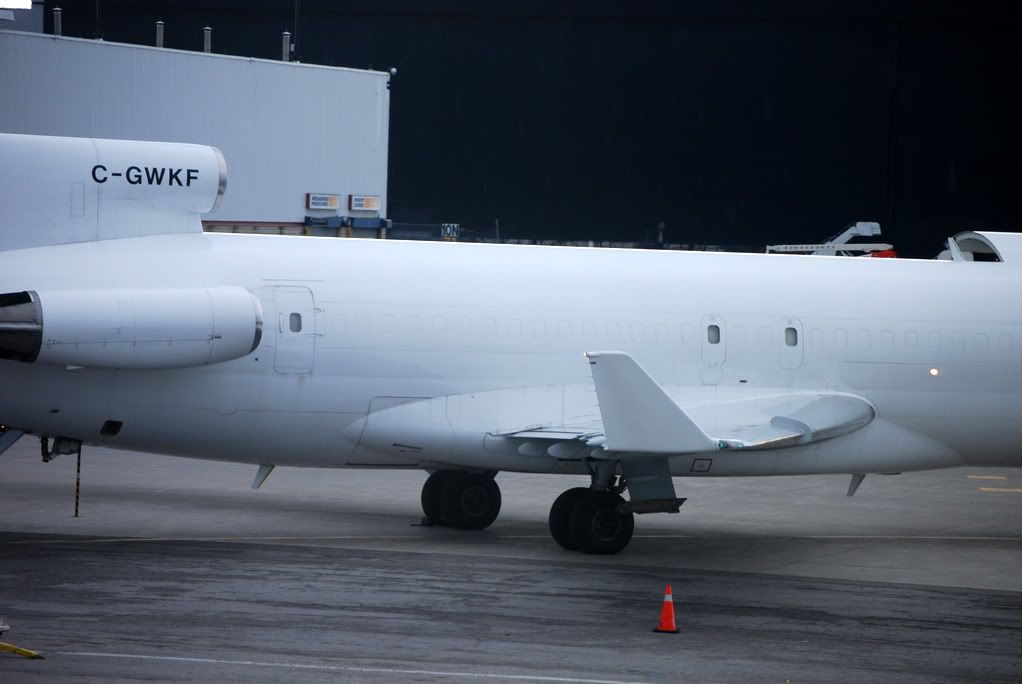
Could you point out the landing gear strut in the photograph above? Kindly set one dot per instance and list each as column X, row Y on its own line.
column 467, row 501
column 590, row 520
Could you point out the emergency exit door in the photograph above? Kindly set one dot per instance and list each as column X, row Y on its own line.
column 714, row 350
column 296, row 330
column 792, row 351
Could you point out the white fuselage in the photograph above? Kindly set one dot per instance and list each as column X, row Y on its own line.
column 933, row 345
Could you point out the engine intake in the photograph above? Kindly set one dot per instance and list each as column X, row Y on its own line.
column 130, row 329
column 21, row 326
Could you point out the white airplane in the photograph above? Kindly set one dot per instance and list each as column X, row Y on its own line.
column 122, row 324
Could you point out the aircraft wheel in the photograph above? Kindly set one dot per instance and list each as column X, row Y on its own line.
column 597, row 527
column 432, row 496
column 560, row 517
column 471, row 500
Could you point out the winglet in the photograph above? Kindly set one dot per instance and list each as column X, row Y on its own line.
column 637, row 414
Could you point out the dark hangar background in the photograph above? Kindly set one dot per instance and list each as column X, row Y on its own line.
column 733, row 123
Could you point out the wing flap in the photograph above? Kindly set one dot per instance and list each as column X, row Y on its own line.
column 786, row 420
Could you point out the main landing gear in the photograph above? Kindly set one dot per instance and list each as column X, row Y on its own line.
column 464, row 500
column 589, row 520
column 593, row 519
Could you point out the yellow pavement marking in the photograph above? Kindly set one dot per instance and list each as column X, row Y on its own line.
column 1006, row 490
column 17, row 650
column 987, row 477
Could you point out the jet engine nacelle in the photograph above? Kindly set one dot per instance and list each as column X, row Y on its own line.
column 130, row 329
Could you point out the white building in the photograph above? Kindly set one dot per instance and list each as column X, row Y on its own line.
column 306, row 146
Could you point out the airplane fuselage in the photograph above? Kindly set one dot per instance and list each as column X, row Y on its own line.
column 499, row 333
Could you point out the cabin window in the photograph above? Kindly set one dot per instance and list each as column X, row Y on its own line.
column 911, row 340
column 361, row 325
column 412, row 326
column 713, row 334
column 791, row 337
column 295, row 322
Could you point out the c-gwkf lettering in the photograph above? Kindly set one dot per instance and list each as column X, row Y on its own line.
column 150, row 175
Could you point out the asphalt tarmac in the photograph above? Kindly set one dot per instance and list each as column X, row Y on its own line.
column 176, row 571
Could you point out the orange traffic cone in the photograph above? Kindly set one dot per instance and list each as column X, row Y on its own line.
column 667, row 614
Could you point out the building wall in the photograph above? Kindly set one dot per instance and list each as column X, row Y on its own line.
column 23, row 19
column 285, row 129
column 733, row 122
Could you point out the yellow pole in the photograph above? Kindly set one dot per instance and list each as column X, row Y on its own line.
column 78, row 478
column 24, row 652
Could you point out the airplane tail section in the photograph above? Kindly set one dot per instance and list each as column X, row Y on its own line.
column 57, row 191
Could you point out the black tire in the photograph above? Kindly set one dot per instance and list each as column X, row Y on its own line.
column 432, row 496
column 597, row 527
column 560, row 517
column 471, row 501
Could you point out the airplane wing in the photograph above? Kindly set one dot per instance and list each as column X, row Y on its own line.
column 633, row 426
column 638, row 417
